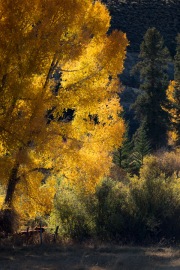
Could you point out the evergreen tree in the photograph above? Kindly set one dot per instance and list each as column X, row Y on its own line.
column 152, row 67
column 177, row 87
column 177, row 60
column 173, row 98
column 142, row 147
column 123, row 153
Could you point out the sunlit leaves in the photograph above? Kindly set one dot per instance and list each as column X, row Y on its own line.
column 56, row 56
column 173, row 109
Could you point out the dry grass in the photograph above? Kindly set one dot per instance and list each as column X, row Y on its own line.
column 88, row 257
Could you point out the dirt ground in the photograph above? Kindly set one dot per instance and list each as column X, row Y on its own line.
column 79, row 257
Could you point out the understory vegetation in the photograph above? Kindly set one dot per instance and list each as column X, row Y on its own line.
column 127, row 209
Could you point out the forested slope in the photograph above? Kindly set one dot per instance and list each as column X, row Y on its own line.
column 134, row 17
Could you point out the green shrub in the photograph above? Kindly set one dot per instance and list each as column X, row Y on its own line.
column 130, row 209
column 113, row 209
column 156, row 198
column 70, row 213
column 144, row 208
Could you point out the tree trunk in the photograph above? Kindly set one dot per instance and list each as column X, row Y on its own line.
column 8, row 216
column 13, row 180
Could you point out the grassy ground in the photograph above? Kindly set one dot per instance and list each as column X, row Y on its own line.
column 78, row 257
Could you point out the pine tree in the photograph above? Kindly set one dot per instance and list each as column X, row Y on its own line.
column 142, row 147
column 173, row 98
column 123, row 153
column 177, row 88
column 152, row 67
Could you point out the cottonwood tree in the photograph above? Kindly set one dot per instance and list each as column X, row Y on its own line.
column 56, row 57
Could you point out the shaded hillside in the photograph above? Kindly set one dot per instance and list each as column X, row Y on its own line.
column 134, row 17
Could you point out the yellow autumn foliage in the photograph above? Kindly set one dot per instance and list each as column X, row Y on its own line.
column 56, row 56
column 173, row 109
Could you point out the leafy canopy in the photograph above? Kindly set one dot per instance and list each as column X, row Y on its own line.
column 56, row 56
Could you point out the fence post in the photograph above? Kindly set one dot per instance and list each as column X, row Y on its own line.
column 27, row 235
column 56, row 233
column 41, row 241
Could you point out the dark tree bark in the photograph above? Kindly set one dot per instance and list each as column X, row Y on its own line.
column 13, row 180
column 8, row 216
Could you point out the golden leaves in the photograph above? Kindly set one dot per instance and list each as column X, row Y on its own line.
column 55, row 56
column 172, row 108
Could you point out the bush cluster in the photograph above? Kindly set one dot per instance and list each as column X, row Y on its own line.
column 144, row 208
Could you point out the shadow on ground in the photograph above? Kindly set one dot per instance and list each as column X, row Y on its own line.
column 89, row 258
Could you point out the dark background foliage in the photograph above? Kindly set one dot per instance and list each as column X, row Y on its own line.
column 134, row 17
